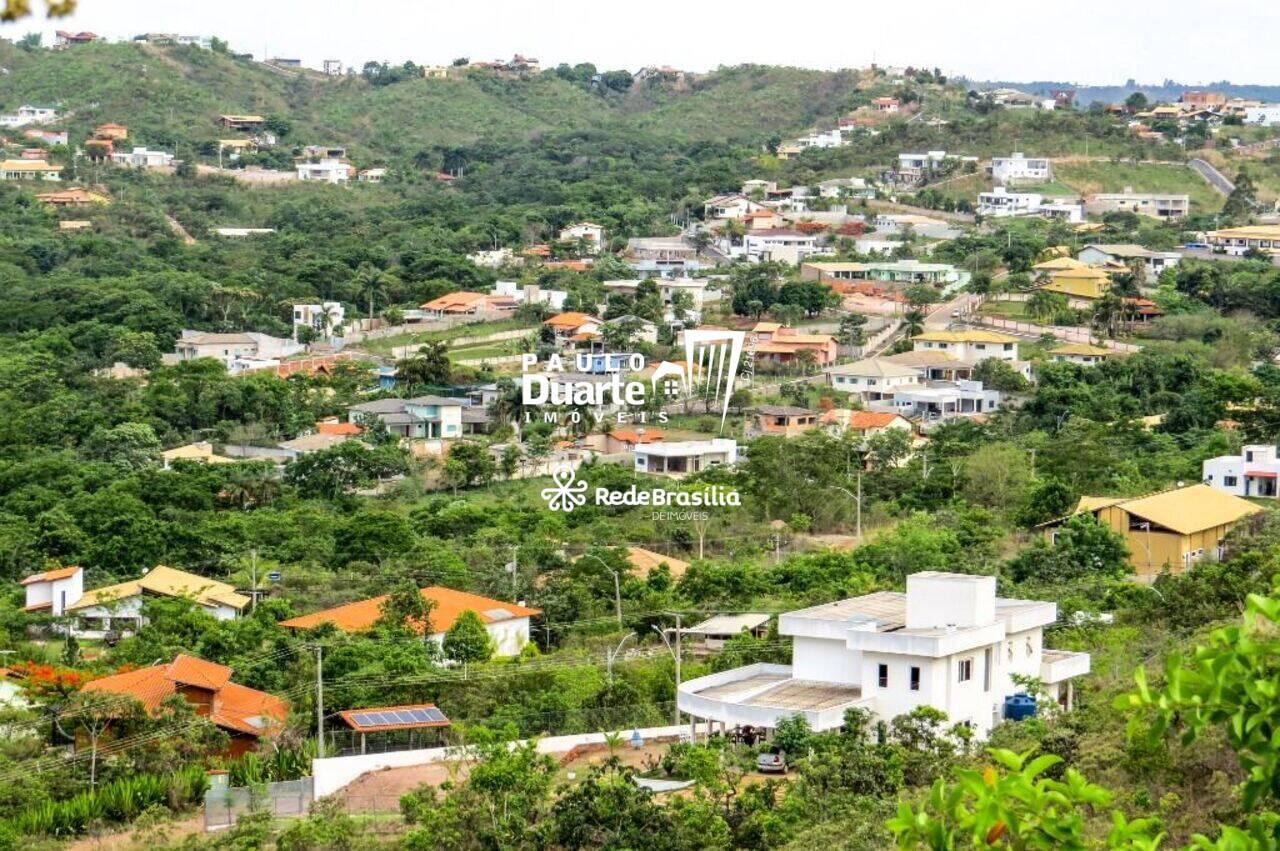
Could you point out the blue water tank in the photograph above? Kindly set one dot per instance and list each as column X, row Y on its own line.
column 1019, row 706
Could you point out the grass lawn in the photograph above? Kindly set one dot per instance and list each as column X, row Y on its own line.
column 1006, row 309
column 1089, row 177
column 488, row 350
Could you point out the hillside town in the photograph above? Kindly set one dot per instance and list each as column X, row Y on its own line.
column 506, row 454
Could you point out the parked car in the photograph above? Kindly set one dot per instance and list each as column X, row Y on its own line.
column 772, row 761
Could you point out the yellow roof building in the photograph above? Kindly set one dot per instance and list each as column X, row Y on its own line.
column 969, row 335
column 1169, row 530
column 166, row 582
column 1085, row 283
column 1058, row 264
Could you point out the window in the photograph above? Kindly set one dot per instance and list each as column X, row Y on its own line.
column 965, row 670
column 883, row 674
column 1229, row 481
column 988, row 659
column 1248, row 456
column 915, row 678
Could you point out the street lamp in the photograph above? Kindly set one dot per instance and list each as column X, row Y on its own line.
column 675, row 655
column 617, row 584
column 857, row 499
column 610, row 655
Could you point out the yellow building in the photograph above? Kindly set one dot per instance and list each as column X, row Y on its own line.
column 1169, row 530
column 1086, row 283
column 1085, row 354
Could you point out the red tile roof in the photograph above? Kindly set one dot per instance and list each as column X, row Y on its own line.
column 631, row 435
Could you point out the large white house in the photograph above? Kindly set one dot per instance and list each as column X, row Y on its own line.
column 873, row 378
column 590, row 233
column 948, row 642
column 142, row 158
column 971, row 344
column 940, row 400
column 1251, row 473
column 782, row 245
column 1001, row 203
column 1019, row 168
column 28, row 114
column 325, row 170
column 678, row 458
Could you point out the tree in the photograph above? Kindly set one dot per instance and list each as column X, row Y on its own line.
column 997, row 374
column 852, row 331
column 996, row 474
column 1135, row 102
column 128, row 446
column 1044, row 305
column 1243, row 199
column 406, row 611
column 468, row 463
column 333, row 472
column 754, row 288
column 468, row 640
column 1083, row 548
column 429, row 367
column 372, row 283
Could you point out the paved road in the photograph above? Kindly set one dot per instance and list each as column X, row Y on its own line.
column 1212, row 176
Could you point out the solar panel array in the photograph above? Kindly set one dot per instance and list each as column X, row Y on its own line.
column 398, row 717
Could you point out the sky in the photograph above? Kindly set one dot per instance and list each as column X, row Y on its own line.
column 1090, row 42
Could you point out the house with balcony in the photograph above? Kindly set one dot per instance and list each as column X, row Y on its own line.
column 1252, row 473
column 30, row 114
column 1082, row 354
column 781, row 245
column 679, row 458
column 941, row 400
column 141, row 157
column 29, row 169
column 948, row 642
column 1157, row 205
column 1237, row 241
column 419, row 418
column 589, row 234
column 1020, row 169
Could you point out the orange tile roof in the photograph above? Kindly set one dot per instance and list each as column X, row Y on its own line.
column 572, row 319
column 51, row 575
column 571, row 265
column 310, row 366
column 449, row 604
column 235, row 707
column 859, row 420
column 338, row 428
column 459, row 301
column 631, row 435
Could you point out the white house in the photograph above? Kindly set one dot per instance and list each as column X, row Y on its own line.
column 325, row 170
column 239, row 352
column 779, row 244
column 1020, row 168
column 1251, row 473
column 142, row 158
column 420, row 418
column 589, row 232
column 972, row 344
column 325, row 318
column 54, row 590
column 945, row 399
column 949, row 642
column 531, row 294
column 913, row 167
column 846, row 187
column 119, row 608
column 1126, row 254
column 28, row 114
column 1268, row 115
column 29, row 170
column 1001, row 203
column 872, row 379
column 680, row 457
column 734, row 206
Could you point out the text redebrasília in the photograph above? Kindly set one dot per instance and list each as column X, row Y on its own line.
column 711, row 497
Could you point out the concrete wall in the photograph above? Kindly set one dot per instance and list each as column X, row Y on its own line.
column 825, row 660
column 334, row 773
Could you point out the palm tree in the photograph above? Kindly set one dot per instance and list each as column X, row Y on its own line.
column 371, row 283
column 1045, row 305
column 509, row 406
column 913, row 320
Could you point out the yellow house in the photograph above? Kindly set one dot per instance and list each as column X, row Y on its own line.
column 1087, row 283
column 1168, row 530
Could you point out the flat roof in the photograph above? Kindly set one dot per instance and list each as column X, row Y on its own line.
column 729, row 624
column 802, row 695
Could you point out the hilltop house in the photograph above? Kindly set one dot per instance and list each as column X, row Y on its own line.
column 239, row 352
column 200, row 452
column 949, row 642
column 667, row 256
column 969, row 344
column 142, row 158
column 1155, row 262
column 245, row 714
column 681, row 457
column 242, row 122
column 945, row 399
column 1252, row 473
column 782, row 245
column 506, row 623
column 1001, row 203
column 423, row 417
column 1157, row 205
column 733, row 206
column 48, row 137
column 465, row 303
column 29, row 170
column 1083, row 354
column 1236, row 241
column 573, row 327
column 29, row 114
column 117, row 608
column 780, row 421
column 1020, row 169
column 872, row 379
column 589, row 233
column 529, row 294
column 331, row 170
column 1169, row 530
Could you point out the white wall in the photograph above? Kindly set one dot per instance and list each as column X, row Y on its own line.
column 509, row 636
column 825, row 660
column 334, row 773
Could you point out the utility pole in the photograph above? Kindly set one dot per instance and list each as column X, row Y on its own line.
column 319, row 701
column 677, row 708
column 515, row 572
column 253, row 574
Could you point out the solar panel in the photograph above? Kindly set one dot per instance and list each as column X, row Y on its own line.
column 408, row 717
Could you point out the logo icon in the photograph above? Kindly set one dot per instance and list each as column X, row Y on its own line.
column 568, row 493
column 711, row 365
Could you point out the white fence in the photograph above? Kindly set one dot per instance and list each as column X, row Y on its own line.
column 334, row 773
